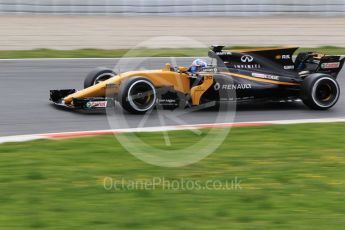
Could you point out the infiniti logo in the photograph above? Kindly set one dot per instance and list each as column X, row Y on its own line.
column 247, row 58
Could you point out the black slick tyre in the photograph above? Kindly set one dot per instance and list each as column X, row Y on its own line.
column 137, row 95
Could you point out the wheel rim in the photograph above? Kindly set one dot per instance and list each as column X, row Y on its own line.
column 102, row 77
column 142, row 95
column 325, row 92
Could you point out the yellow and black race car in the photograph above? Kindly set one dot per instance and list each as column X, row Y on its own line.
column 269, row 74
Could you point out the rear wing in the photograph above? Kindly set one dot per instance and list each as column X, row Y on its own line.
column 320, row 63
column 331, row 65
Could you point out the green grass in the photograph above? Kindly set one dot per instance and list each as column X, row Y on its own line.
column 292, row 177
column 98, row 53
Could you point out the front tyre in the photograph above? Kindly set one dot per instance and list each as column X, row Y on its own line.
column 320, row 91
column 137, row 95
column 98, row 75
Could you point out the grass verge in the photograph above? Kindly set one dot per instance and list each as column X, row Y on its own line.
column 292, row 177
column 98, row 53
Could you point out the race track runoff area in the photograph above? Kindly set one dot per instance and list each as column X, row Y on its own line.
column 269, row 177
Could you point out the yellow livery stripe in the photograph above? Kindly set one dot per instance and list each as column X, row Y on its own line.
column 260, row 80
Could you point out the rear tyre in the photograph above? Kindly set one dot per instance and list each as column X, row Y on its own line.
column 320, row 91
column 137, row 95
column 98, row 75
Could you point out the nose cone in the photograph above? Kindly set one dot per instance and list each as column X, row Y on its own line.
column 93, row 91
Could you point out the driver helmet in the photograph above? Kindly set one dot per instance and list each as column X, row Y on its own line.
column 198, row 65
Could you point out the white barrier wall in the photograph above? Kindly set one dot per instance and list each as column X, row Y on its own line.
column 175, row 7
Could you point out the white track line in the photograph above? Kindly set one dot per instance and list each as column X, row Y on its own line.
column 306, row 121
column 23, row 138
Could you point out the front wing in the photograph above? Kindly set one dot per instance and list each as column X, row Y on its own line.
column 94, row 104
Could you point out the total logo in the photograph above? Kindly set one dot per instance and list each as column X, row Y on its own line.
column 218, row 86
column 247, row 58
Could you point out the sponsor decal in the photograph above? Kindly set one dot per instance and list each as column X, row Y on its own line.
column 265, row 76
column 166, row 101
column 224, row 53
column 211, row 70
column 330, row 65
column 97, row 104
column 288, row 67
column 216, row 86
column 283, row 57
column 236, row 87
column 247, row 58
column 286, row 57
column 253, row 66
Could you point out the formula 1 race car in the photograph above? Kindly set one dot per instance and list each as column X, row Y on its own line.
column 266, row 74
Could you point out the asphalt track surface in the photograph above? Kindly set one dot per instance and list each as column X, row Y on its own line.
column 25, row 109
